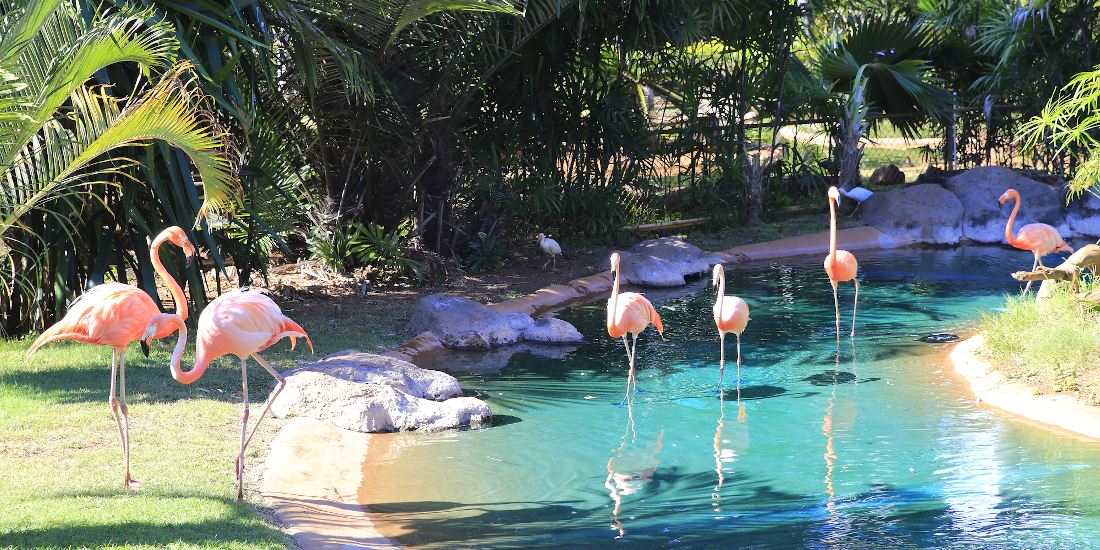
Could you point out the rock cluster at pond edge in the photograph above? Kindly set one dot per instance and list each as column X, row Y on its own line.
column 365, row 392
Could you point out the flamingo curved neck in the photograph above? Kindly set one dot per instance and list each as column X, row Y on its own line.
column 612, row 307
column 171, row 319
column 832, row 228
column 721, row 291
column 177, row 291
column 1012, row 218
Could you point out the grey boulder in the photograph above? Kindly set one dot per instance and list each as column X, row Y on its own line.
column 1083, row 215
column 550, row 329
column 463, row 324
column 926, row 213
column 366, row 407
column 688, row 257
column 979, row 189
column 403, row 376
column 646, row 270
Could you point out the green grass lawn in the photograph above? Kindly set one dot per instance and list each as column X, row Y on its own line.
column 62, row 460
column 1051, row 344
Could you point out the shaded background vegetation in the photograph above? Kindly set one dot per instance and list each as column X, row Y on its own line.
column 406, row 135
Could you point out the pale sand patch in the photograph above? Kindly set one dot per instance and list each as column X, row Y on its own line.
column 1059, row 412
column 313, row 475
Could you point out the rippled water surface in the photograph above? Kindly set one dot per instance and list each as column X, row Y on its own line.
column 875, row 446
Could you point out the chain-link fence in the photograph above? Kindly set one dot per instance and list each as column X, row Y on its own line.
column 974, row 137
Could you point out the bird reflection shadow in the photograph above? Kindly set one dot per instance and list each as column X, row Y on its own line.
column 730, row 442
column 631, row 467
column 839, row 420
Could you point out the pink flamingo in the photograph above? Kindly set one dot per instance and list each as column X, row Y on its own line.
column 241, row 322
column 629, row 312
column 114, row 314
column 840, row 265
column 731, row 314
column 1040, row 238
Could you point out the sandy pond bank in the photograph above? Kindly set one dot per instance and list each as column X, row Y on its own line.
column 315, row 471
column 1053, row 411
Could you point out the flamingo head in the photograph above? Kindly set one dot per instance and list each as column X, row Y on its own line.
column 147, row 338
column 179, row 238
column 834, row 194
column 719, row 271
column 615, row 261
column 1010, row 194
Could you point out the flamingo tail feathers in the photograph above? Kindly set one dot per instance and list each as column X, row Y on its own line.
column 52, row 334
column 291, row 330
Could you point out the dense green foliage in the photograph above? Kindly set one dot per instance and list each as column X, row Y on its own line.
column 432, row 123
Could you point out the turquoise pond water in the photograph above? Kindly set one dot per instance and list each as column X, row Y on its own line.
column 875, row 446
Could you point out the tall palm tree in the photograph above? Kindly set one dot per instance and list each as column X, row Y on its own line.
column 58, row 132
column 879, row 64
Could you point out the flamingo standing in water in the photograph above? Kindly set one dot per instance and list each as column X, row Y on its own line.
column 840, row 265
column 241, row 322
column 1040, row 238
column 731, row 314
column 114, row 314
column 629, row 312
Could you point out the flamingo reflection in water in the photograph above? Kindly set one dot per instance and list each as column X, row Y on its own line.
column 730, row 442
column 631, row 467
column 839, row 421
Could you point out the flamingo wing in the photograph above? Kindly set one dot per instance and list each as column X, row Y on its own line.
column 732, row 315
column 842, row 266
column 633, row 314
column 1039, row 238
column 244, row 322
column 111, row 314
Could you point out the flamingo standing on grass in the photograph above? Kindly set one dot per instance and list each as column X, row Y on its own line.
column 629, row 312
column 551, row 247
column 731, row 314
column 114, row 314
column 241, row 322
column 1040, row 238
column 840, row 265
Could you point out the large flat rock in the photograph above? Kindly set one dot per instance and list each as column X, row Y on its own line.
column 926, row 213
column 979, row 189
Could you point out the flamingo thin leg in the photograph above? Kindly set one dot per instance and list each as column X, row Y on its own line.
column 738, row 360
column 836, row 304
column 238, row 466
column 721, row 361
column 633, row 354
column 630, row 359
column 270, row 399
column 854, row 305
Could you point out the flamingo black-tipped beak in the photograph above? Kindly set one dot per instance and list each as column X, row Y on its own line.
column 145, row 347
column 187, row 260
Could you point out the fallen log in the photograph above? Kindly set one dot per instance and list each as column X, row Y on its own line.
column 1087, row 257
column 676, row 224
